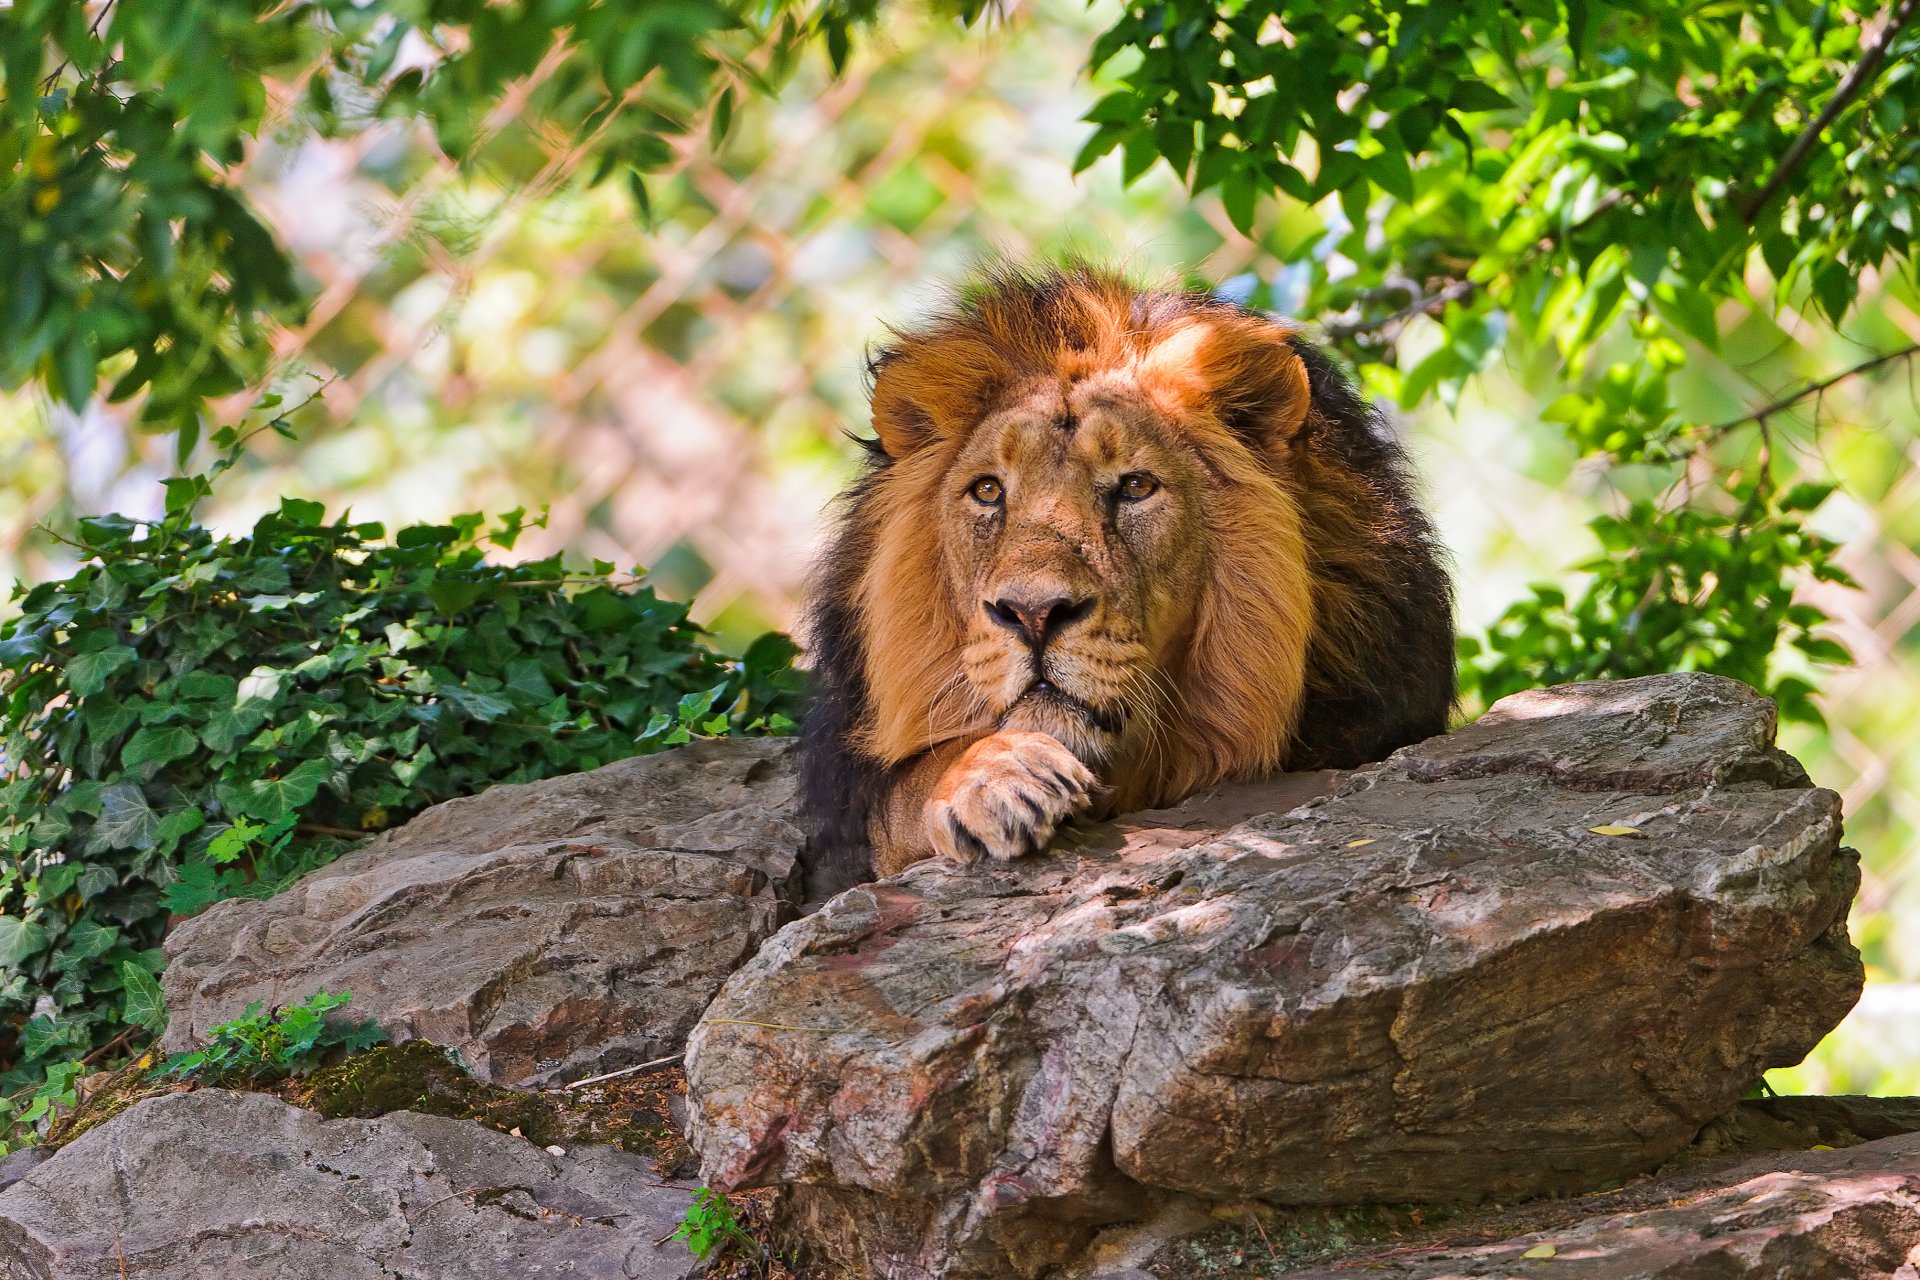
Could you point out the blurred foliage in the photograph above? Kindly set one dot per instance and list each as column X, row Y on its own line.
column 130, row 254
column 191, row 717
column 1590, row 180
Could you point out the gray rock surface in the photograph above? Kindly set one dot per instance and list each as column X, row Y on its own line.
column 546, row 930
column 1439, row 982
column 1816, row 1215
column 21, row 1163
column 242, row 1186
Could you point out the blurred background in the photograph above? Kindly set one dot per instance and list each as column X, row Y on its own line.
column 679, row 398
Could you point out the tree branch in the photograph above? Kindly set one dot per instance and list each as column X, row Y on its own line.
column 1857, row 79
column 1385, row 329
column 1760, row 415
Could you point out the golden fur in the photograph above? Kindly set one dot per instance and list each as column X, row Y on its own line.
column 1179, row 546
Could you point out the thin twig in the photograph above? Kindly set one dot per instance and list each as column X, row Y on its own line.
column 110, row 1046
column 1254, row 1218
column 628, row 1071
column 1781, row 405
column 1452, row 291
column 1857, row 79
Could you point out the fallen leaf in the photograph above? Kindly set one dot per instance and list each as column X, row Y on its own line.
column 1355, row 844
column 1615, row 831
column 1819, row 1146
column 1542, row 1250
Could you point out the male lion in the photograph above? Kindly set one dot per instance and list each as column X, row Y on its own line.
column 1111, row 546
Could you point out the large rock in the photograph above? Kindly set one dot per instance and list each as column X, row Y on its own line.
column 1815, row 1215
column 244, row 1187
column 1527, row 958
column 545, row 930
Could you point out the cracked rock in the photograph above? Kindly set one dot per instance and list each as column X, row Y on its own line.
column 244, row 1187
column 1527, row 958
column 1812, row 1215
column 546, row 930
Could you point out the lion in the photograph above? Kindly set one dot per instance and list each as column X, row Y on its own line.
column 1111, row 546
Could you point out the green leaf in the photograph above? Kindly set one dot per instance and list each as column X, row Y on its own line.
column 1807, row 495
column 146, row 1005
column 20, row 940
column 1237, row 194
column 126, row 820
column 1477, row 95
column 364, row 1036
column 87, row 939
column 158, row 746
column 54, row 881
column 274, row 798
column 88, row 673
column 198, row 887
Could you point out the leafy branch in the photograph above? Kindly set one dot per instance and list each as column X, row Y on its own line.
column 1863, row 74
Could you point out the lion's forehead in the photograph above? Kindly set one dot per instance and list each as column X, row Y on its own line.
column 1059, row 436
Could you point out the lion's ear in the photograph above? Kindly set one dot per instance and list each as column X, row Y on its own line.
column 1241, row 371
column 928, row 389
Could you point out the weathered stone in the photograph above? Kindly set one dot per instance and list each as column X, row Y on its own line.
column 1815, row 1215
column 244, row 1187
column 1759, row 1136
column 1439, row 982
column 21, row 1163
column 545, row 930
column 1799, row 1121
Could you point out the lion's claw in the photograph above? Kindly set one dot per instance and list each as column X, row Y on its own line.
column 1007, row 796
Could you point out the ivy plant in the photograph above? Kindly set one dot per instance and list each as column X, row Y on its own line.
column 192, row 716
column 260, row 1046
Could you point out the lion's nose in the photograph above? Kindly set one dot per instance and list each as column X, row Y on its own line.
column 1036, row 620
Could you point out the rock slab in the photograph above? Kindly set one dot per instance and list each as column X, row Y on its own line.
column 1818, row 1215
column 244, row 1187
column 1526, row 958
column 545, row 930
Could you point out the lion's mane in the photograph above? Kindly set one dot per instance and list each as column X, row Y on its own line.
column 1380, row 663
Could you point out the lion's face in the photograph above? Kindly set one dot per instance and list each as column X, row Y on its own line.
column 1075, row 546
column 1086, row 527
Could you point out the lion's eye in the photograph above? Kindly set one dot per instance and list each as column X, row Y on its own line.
column 1137, row 485
column 986, row 490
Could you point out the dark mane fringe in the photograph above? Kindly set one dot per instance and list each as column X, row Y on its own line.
column 839, row 787
column 1391, row 681
column 1380, row 668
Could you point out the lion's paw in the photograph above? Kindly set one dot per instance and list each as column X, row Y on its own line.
column 1006, row 796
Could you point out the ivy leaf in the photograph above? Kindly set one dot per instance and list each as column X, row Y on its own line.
column 361, row 1037
column 146, row 1005
column 126, row 820
column 197, row 887
column 87, row 939
column 177, row 826
column 54, row 881
column 479, row 706
column 271, row 799
column 20, row 940
column 156, row 746
column 88, row 673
